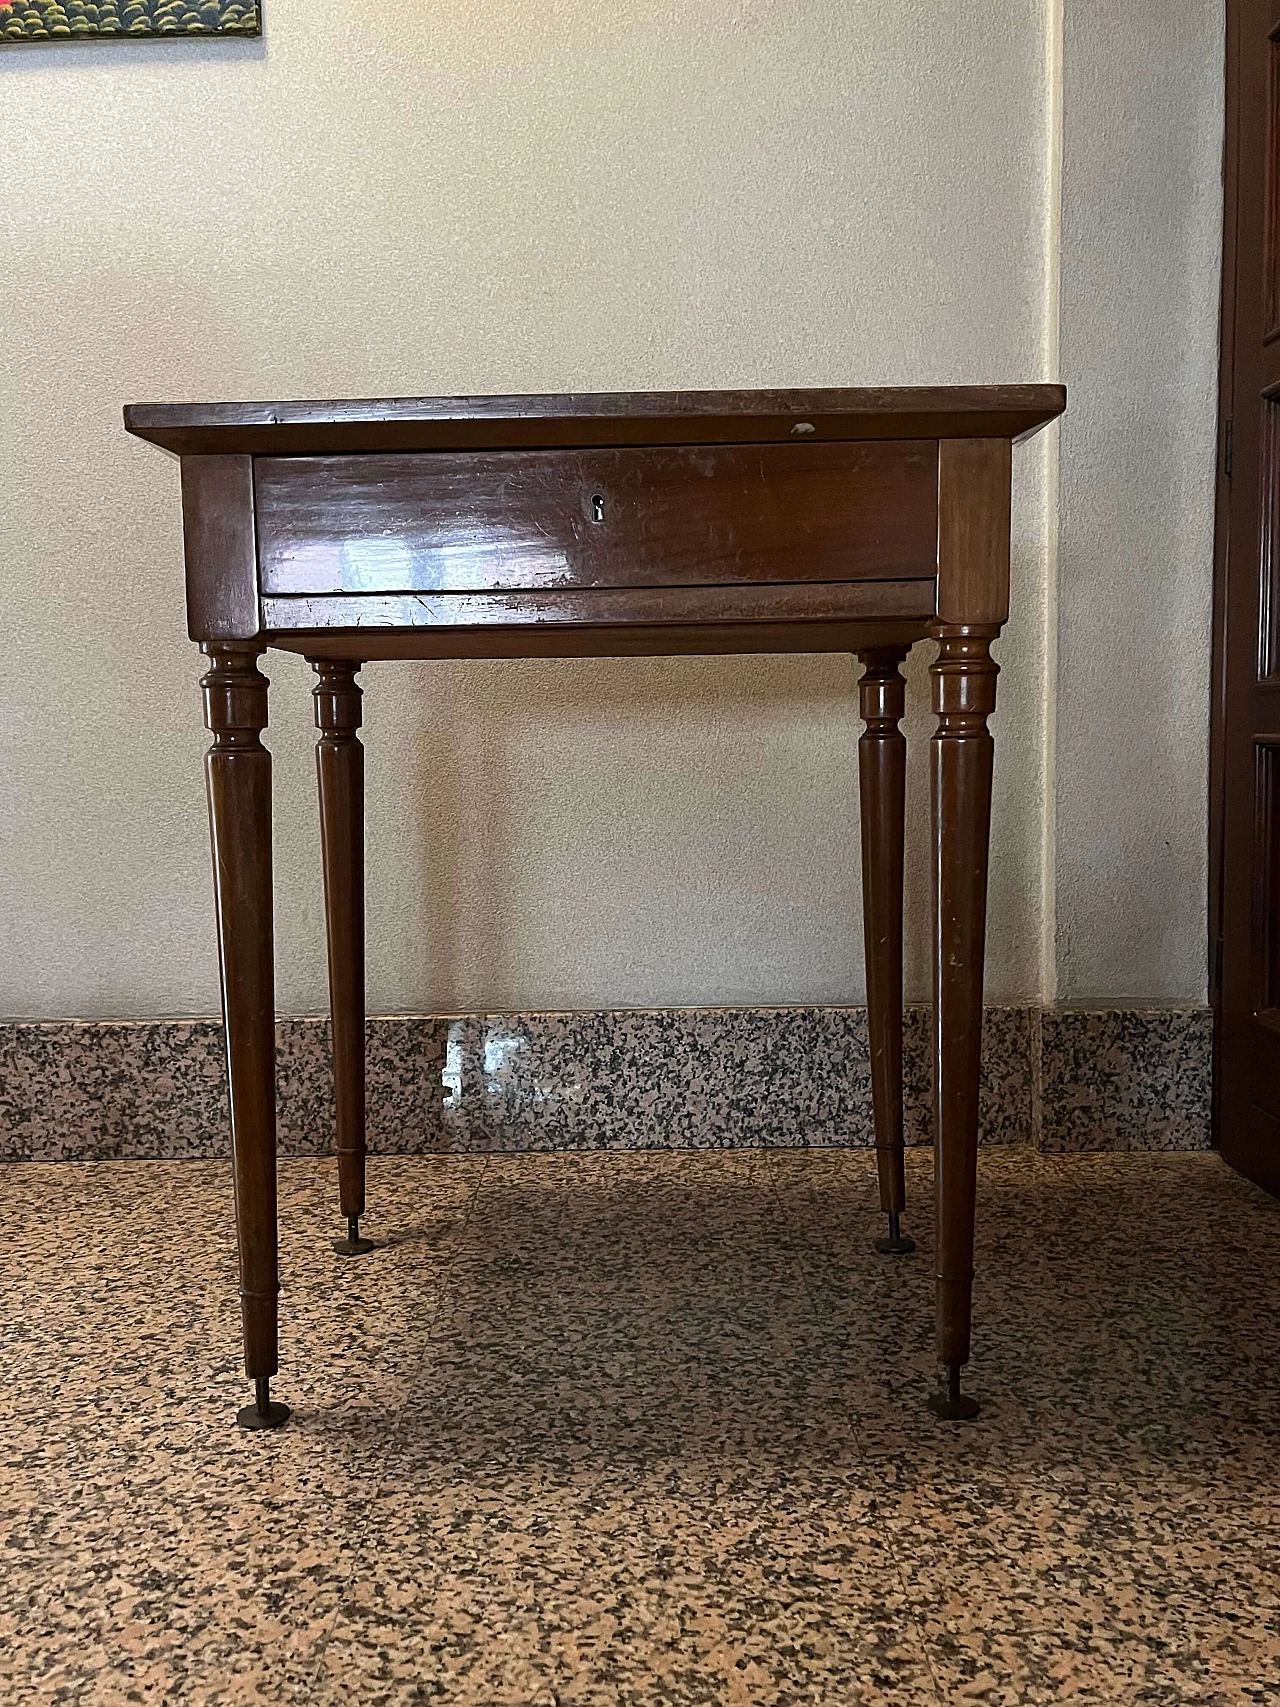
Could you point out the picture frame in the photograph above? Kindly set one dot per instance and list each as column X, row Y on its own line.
column 54, row 22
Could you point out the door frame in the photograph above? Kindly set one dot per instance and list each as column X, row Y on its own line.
column 1222, row 534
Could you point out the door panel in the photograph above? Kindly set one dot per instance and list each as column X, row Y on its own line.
column 1271, row 209
column 1246, row 748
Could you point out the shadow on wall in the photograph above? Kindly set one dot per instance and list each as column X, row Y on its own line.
column 672, row 801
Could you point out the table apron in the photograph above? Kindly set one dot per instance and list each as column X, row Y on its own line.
column 813, row 601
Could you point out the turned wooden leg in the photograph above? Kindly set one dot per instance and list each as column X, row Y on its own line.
column 340, row 770
column 964, row 695
column 882, row 774
column 238, row 773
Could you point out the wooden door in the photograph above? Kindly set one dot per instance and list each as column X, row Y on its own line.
column 1245, row 781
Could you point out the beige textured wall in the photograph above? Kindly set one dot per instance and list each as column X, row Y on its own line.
column 414, row 199
column 1140, row 260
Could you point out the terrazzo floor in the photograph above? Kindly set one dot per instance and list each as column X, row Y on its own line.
column 642, row 1428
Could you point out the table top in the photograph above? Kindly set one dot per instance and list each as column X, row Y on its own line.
column 596, row 418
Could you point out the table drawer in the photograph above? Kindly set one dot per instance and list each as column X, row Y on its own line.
column 510, row 521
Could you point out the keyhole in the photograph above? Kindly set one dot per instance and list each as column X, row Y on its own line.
column 597, row 507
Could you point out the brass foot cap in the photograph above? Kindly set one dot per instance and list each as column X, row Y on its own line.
column 962, row 1408
column 274, row 1416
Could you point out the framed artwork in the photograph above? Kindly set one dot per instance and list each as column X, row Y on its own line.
column 23, row 21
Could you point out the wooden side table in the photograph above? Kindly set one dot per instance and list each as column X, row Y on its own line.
column 515, row 527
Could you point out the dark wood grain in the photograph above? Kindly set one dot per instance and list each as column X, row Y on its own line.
column 964, row 695
column 238, row 773
column 606, row 418
column 340, row 774
column 806, row 602
column 1245, row 747
column 882, row 775
column 974, row 483
column 974, row 486
column 627, row 640
column 509, row 520
column 220, row 545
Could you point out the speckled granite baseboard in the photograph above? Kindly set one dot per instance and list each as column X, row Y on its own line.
column 1124, row 1078
column 669, row 1078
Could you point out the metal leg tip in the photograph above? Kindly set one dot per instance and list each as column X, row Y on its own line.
column 353, row 1245
column 264, row 1412
column 953, row 1405
column 898, row 1243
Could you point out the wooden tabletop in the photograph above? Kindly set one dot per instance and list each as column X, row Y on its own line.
column 596, row 418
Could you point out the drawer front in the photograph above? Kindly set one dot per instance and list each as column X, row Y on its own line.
column 511, row 521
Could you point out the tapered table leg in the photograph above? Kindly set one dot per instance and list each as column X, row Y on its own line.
column 340, row 772
column 882, row 775
column 238, row 774
column 964, row 695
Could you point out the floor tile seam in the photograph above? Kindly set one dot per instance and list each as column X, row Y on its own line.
column 806, row 1248
column 333, row 1693
column 782, row 1221
column 413, row 1367
column 1037, row 1613
column 322, row 1690
column 911, row 1604
column 803, row 1238
column 258, row 1577
column 866, row 1461
column 439, row 1270
column 413, row 1372
column 798, row 1243
column 13, row 1369
column 330, row 1690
